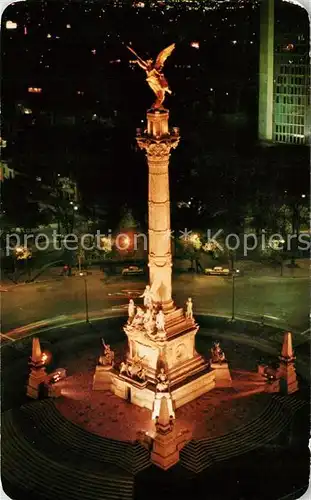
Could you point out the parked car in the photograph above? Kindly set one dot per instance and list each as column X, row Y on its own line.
column 58, row 375
column 222, row 271
column 217, row 271
column 132, row 271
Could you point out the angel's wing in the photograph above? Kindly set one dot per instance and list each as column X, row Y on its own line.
column 163, row 56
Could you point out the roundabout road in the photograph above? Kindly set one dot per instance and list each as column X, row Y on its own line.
column 283, row 301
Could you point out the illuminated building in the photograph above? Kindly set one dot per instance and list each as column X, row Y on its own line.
column 291, row 97
column 284, row 102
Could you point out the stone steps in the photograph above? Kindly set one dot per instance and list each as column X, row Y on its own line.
column 48, row 479
column 188, row 368
column 42, row 418
column 206, row 451
column 198, row 455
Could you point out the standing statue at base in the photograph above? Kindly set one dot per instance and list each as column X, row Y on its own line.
column 155, row 78
column 131, row 310
column 147, row 295
column 149, row 322
column 218, row 355
column 139, row 317
column 160, row 321
column 189, row 308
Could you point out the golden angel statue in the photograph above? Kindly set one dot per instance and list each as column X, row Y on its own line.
column 155, row 78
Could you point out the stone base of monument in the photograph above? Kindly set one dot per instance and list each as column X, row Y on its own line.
column 141, row 394
column 157, row 403
column 192, row 388
column 36, row 381
column 166, row 448
column 102, row 378
column 272, row 387
column 222, row 375
column 144, row 394
column 54, row 391
column 288, row 378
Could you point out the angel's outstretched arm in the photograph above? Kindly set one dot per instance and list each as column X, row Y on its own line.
column 141, row 64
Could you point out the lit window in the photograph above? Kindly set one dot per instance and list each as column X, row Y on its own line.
column 34, row 90
column 10, row 25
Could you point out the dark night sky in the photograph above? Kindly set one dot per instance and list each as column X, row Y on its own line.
column 214, row 101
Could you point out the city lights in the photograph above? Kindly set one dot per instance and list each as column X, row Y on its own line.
column 195, row 45
column 34, row 90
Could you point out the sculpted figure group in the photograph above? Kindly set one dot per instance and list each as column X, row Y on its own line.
column 150, row 318
column 135, row 369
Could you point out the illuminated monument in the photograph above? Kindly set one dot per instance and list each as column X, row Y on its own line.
column 162, row 360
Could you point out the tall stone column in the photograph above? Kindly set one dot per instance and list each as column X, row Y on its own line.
column 158, row 141
column 266, row 70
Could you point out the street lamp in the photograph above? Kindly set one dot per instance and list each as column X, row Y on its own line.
column 233, row 297
column 85, row 298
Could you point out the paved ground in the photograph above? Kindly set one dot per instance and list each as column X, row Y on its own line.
column 77, row 348
column 213, row 414
column 283, row 301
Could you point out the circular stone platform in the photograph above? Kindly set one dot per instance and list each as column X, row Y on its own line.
column 85, row 436
column 215, row 413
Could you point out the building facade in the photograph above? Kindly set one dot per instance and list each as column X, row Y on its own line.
column 284, row 75
column 291, row 96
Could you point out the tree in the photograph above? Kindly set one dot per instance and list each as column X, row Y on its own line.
column 189, row 247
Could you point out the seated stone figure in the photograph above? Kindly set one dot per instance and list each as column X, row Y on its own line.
column 123, row 368
column 162, row 384
column 218, row 356
column 108, row 357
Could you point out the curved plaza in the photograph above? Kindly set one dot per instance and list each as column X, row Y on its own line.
column 85, row 443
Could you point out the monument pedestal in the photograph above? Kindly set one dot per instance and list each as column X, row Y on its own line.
column 166, row 443
column 188, row 373
column 157, row 404
column 222, row 375
column 166, row 448
column 54, row 391
column 286, row 372
column 287, row 377
column 102, row 378
column 272, row 387
column 36, row 382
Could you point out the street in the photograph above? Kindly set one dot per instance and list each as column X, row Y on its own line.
column 282, row 301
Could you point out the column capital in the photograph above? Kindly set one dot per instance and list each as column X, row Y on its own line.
column 158, row 149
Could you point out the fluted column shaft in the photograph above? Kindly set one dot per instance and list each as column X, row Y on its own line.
column 158, row 141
